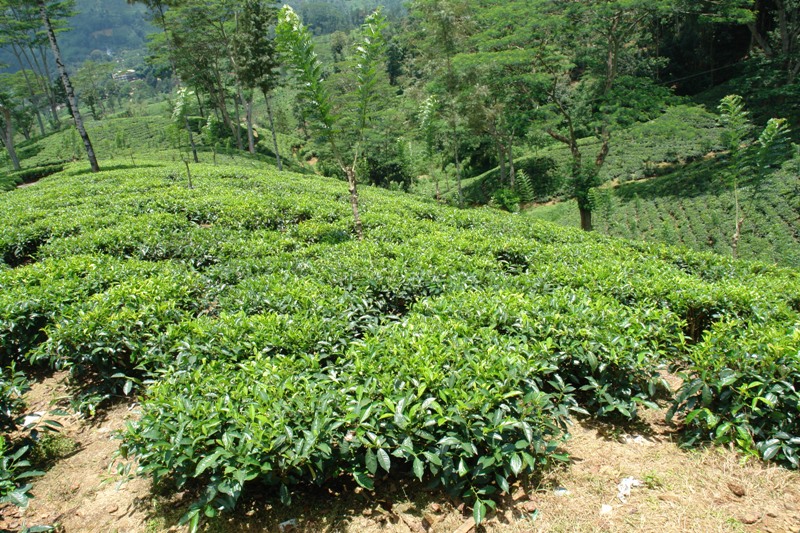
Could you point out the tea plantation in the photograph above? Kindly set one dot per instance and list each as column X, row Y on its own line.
column 270, row 347
column 693, row 205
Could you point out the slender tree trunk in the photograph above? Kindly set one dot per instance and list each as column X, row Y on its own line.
column 251, row 143
column 762, row 42
column 353, row 186
column 45, row 69
column 501, row 152
column 188, row 173
column 737, row 233
column 191, row 142
column 40, row 80
column 8, row 136
column 586, row 218
column 30, row 90
column 512, row 170
column 222, row 104
column 40, row 121
column 274, row 135
column 68, row 87
column 238, row 115
column 458, row 164
column 199, row 104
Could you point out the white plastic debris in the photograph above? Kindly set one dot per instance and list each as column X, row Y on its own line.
column 606, row 509
column 289, row 525
column 561, row 491
column 32, row 419
column 636, row 439
column 625, row 486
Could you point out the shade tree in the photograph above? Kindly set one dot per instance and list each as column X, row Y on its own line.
column 343, row 130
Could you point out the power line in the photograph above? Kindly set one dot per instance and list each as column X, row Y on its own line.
column 698, row 74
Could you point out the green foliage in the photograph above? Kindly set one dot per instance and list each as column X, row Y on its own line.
column 741, row 388
column 115, row 339
column 15, row 471
column 274, row 348
column 692, row 199
column 15, row 468
column 13, row 384
column 524, row 187
column 295, row 43
column 305, row 422
column 256, row 56
column 507, row 199
column 31, row 175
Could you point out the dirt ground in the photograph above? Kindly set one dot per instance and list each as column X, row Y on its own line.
column 674, row 490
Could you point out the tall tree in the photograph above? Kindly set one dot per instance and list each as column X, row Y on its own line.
column 158, row 9
column 774, row 26
column 593, row 52
column 20, row 32
column 256, row 55
column 73, row 103
column 749, row 161
column 442, row 28
column 7, row 128
column 92, row 80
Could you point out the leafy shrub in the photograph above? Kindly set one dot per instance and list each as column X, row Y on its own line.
column 35, row 174
column 437, row 410
column 249, row 292
column 742, row 386
column 32, row 297
column 118, row 337
column 507, row 199
column 13, row 385
column 608, row 352
column 15, row 470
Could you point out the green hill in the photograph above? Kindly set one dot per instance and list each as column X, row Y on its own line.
column 692, row 206
column 271, row 347
column 683, row 133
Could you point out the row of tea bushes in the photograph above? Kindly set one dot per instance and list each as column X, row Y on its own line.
column 260, row 332
column 425, row 400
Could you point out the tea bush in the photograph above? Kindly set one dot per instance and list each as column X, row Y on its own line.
column 438, row 408
column 742, row 386
column 692, row 206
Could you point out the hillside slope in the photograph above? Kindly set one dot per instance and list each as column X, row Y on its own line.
column 273, row 349
column 692, row 206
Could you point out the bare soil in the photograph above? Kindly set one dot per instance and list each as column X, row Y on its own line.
column 703, row 490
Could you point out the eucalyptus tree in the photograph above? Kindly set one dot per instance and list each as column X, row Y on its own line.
column 441, row 29
column 343, row 131
column 20, row 32
column 7, row 128
column 256, row 55
column 159, row 8
column 73, row 103
column 204, row 30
